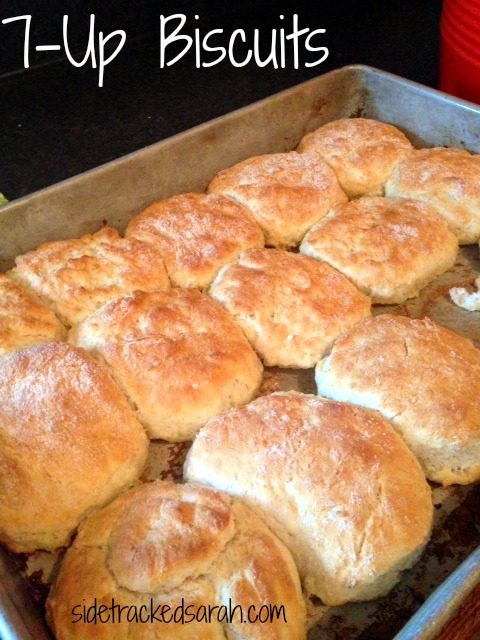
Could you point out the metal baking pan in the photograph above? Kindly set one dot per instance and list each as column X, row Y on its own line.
column 114, row 192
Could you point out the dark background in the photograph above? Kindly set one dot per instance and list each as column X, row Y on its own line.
column 55, row 121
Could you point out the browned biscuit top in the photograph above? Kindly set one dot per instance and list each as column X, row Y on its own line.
column 70, row 442
column 334, row 481
column 285, row 192
column 178, row 355
column 24, row 320
column 390, row 248
column 291, row 307
column 421, row 376
column 75, row 277
column 196, row 234
column 448, row 179
column 170, row 542
column 363, row 152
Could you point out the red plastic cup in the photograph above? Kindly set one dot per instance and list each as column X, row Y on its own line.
column 460, row 49
column 461, row 28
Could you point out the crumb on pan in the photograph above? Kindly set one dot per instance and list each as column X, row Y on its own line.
column 470, row 301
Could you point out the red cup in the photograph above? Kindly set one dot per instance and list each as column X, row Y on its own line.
column 459, row 36
column 460, row 49
column 461, row 25
column 468, row 12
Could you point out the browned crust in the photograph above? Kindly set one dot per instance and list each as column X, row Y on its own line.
column 75, row 277
column 389, row 248
column 423, row 377
column 178, row 355
column 196, row 235
column 24, row 320
column 285, row 192
column 447, row 179
column 334, row 481
column 290, row 307
column 362, row 152
column 167, row 541
column 69, row 443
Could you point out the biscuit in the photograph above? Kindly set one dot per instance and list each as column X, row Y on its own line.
column 164, row 542
column 285, row 192
column 177, row 355
column 76, row 277
column 447, row 179
column 196, row 235
column 389, row 248
column 423, row 378
column 24, row 321
column 70, row 443
column 333, row 481
column 362, row 152
column 289, row 306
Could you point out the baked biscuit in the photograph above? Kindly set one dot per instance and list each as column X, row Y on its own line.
column 362, row 152
column 178, row 356
column 449, row 180
column 163, row 542
column 389, row 248
column 423, row 378
column 285, row 192
column 196, row 235
column 76, row 277
column 290, row 307
column 24, row 321
column 333, row 481
column 70, row 443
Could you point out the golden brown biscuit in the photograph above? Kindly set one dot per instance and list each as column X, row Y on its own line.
column 178, row 356
column 290, row 307
column 333, row 481
column 196, row 235
column 362, row 152
column 423, row 378
column 285, row 192
column 162, row 542
column 23, row 319
column 389, row 248
column 70, row 443
column 76, row 277
column 449, row 180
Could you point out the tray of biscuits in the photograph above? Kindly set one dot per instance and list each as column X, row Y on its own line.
column 239, row 377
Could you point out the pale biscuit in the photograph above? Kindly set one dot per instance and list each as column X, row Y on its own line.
column 76, row 277
column 449, row 180
column 285, row 192
column 389, row 248
column 196, row 235
column 423, row 378
column 24, row 320
column 166, row 542
column 362, row 152
column 466, row 299
column 333, row 481
column 178, row 355
column 290, row 307
column 70, row 443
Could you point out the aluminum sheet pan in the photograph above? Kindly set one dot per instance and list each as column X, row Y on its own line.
column 116, row 191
